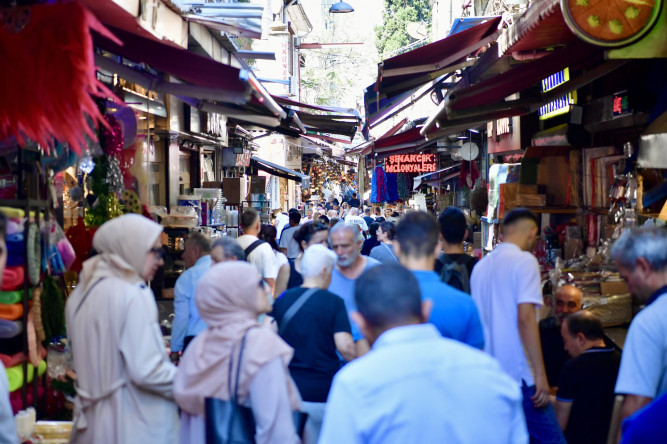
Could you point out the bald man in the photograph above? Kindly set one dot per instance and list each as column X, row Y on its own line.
column 568, row 300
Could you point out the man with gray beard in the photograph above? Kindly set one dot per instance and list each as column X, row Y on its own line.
column 345, row 241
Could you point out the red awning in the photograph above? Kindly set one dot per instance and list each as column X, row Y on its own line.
column 541, row 26
column 112, row 14
column 523, row 77
column 181, row 63
column 412, row 69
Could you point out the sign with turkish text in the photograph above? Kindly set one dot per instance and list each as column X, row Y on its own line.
column 562, row 105
column 620, row 104
column 411, row 163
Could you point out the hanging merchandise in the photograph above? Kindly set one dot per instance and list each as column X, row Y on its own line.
column 379, row 192
column 82, row 242
column 34, row 259
column 52, row 310
column 111, row 138
column 469, row 174
column 403, row 187
column 392, row 187
column 114, row 176
column 48, row 98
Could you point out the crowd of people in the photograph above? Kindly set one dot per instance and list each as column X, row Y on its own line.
column 381, row 331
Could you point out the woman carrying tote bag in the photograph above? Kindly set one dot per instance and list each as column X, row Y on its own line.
column 229, row 297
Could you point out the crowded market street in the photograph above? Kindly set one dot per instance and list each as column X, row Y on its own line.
column 301, row 222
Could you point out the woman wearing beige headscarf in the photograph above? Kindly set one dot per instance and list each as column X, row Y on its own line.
column 230, row 296
column 124, row 377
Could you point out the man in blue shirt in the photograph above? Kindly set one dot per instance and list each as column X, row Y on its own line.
column 415, row 386
column 640, row 255
column 454, row 313
column 187, row 323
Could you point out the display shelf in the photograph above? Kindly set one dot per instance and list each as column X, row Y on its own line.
column 554, row 210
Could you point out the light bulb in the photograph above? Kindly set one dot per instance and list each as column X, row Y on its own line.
column 87, row 164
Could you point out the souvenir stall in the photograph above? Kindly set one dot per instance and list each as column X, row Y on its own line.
column 52, row 114
column 328, row 176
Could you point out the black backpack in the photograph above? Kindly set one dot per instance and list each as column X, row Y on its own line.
column 456, row 274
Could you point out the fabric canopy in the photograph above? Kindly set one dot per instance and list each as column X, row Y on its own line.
column 414, row 68
column 280, row 171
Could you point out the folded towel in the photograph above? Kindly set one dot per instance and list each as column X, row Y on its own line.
column 12, row 278
column 17, row 358
column 9, row 329
column 13, row 297
column 15, row 375
column 11, row 312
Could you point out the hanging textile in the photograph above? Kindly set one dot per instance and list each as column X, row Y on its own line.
column 392, row 187
column 379, row 192
column 48, row 78
column 361, row 172
column 469, row 174
column 403, row 189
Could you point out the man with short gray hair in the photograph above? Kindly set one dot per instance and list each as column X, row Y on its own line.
column 187, row 322
column 227, row 249
column 345, row 242
column 640, row 254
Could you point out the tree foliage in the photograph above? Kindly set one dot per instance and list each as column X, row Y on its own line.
column 397, row 14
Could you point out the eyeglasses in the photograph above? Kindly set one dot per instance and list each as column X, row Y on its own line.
column 157, row 251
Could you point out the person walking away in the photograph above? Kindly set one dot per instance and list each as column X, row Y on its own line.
column 124, row 385
column 187, row 323
column 314, row 322
column 8, row 433
column 354, row 201
column 288, row 245
column 372, row 240
column 454, row 266
column 506, row 289
column 585, row 397
column 640, row 255
column 257, row 252
column 345, row 242
column 367, row 217
column 454, row 314
column 415, row 386
column 307, row 235
column 268, row 234
column 230, row 299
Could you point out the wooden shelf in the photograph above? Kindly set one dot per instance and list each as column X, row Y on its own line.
column 554, row 210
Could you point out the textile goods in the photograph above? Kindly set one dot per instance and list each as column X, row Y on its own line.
column 9, row 329
column 16, row 377
column 12, row 278
column 48, row 84
column 12, row 297
column 11, row 312
column 228, row 301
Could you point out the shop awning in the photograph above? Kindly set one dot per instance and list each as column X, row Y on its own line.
column 541, row 26
column 319, row 119
column 280, row 171
column 428, row 175
column 412, row 69
column 193, row 68
column 241, row 19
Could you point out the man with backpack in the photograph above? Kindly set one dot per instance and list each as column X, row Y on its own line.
column 257, row 252
column 453, row 265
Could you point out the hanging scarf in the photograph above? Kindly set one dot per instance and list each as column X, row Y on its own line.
column 48, row 78
column 392, row 187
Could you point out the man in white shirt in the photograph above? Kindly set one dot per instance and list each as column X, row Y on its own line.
column 507, row 289
column 354, row 218
column 280, row 221
column 258, row 252
column 288, row 245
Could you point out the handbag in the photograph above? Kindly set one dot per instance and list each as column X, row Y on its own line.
column 228, row 422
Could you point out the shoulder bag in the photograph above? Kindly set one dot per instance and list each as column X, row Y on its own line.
column 228, row 422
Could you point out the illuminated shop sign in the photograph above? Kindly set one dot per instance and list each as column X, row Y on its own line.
column 620, row 105
column 562, row 105
column 411, row 163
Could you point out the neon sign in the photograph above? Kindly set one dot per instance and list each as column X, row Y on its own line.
column 411, row 163
column 559, row 106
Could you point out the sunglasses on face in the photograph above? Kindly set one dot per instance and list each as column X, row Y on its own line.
column 157, row 251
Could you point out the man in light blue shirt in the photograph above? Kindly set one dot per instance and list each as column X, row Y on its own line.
column 454, row 313
column 415, row 386
column 187, row 322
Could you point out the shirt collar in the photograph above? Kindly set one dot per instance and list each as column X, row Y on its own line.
column 426, row 275
column 204, row 259
column 656, row 295
column 406, row 333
